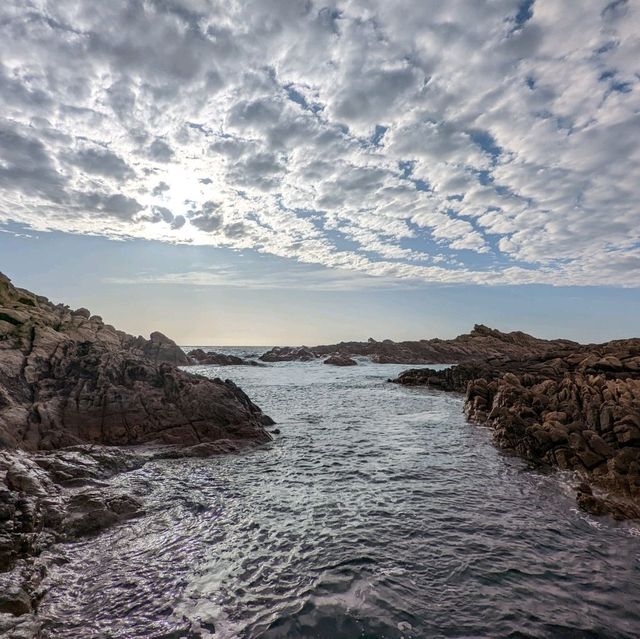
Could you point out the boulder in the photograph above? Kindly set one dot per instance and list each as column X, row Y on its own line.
column 340, row 360
column 160, row 349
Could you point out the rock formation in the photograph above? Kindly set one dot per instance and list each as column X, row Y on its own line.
column 209, row 358
column 67, row 378
column 482, row 342
column 71, row 387
column 289, row 354
column 340, row 360
column 576, row 409
column 159, row 349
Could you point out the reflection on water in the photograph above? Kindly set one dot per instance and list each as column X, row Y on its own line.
column 378, row 512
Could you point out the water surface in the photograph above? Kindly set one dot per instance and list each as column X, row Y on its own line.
column 377, row 512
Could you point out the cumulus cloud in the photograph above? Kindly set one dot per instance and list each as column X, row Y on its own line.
column 489, row 142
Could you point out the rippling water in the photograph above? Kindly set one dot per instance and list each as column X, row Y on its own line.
column 377, row 512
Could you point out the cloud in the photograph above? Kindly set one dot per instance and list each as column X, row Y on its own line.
column 99, row 161
column 207, row 219
column 489, row 142
column 160, row 151
column 314, row 279
column 160, row 188
column 115, row 204
column 26, row 166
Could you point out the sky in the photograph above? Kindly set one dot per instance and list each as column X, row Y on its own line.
column 292, row 171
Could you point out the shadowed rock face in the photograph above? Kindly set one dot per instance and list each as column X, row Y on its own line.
column 67, row 378
column 578, row 409
column 482, row 342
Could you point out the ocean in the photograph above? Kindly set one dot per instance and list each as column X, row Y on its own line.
column 377, row 512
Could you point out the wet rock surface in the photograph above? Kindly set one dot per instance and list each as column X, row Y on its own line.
column 62, row 496
column 71, row 389
column 481, row 342
column 576, row 409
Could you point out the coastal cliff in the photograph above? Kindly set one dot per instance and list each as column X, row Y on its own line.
column 72, row 390
column 575, row 409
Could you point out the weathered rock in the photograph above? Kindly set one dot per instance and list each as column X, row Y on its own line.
column 66, row 380
column 289, row 354
column 159, row 349
column 482, row 342
column 209, row 358
column 577, row 409
column 340, row 360
column 69, row 384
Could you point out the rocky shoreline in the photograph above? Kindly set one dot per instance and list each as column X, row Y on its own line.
column 80, row 402
column 575, row 409
column 481, row 342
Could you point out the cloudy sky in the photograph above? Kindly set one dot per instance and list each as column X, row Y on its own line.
column 374, row 154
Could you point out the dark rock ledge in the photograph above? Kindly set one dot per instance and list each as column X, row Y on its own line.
column 576, row 409
column 210, row 358
column 80, row 402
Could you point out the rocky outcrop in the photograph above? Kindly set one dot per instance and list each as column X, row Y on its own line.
column 67, row 379
column 340, row 360
column 63, row 495
column 289, row 354
column 482, row 342
column 210, row 358
column 576, row 410
column 159, row 349
column 52, row 497
column 69, row 385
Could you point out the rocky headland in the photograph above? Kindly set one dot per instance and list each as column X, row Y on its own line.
column 481, row 342
column 79, row 402
column 575, row 408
